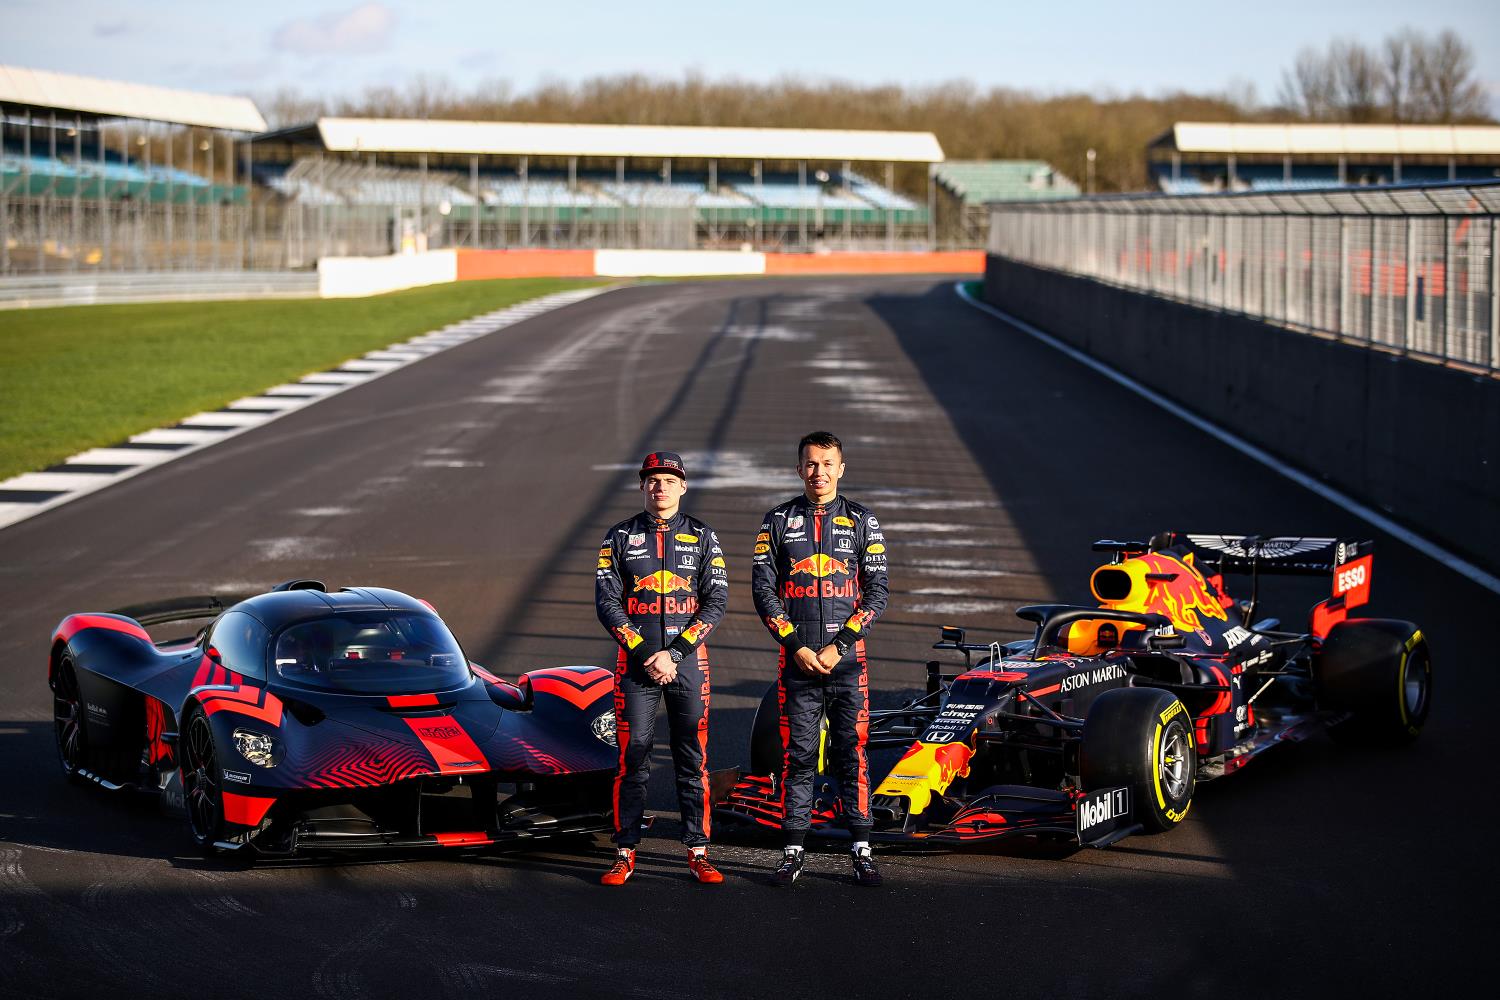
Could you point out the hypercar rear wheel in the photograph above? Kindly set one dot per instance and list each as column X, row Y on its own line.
column 202, row 782
column 1380, row 672
column 78, row 749
column 1142, row 738
column 68, row 723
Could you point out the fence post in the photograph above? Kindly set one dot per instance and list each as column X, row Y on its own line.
column 1447, row 284
column 1286, row 269
column 1494, row 295
column 1411, row 284
column 1343, row 276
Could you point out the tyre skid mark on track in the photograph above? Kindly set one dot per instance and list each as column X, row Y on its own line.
column 338, row 976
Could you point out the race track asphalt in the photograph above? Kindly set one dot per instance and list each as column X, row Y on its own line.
column 483, row 478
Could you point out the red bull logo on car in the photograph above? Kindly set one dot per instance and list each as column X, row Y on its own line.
column 1160, row 583
column 927, row 769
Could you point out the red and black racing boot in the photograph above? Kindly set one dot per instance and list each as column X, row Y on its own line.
column 623, row 868
column 865, row 872
column 703, row 869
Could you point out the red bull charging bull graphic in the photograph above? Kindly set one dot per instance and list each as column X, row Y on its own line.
column 819, row 566
column 666, row 585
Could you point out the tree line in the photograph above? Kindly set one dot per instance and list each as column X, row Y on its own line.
column 1418, row 79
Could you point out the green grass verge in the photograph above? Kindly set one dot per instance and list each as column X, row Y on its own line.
column 82, row 377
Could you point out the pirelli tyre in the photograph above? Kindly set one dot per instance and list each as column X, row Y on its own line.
column 1142, row 738
column 767, row 754
column 1379, row 671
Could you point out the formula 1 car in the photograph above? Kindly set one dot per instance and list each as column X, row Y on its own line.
column 302, row 720
column 1102, row 724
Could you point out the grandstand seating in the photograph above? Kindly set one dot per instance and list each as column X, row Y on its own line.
column 782, row 197
column 63, row 177
column 879, row 195
column 980, row 181
column 785, row 194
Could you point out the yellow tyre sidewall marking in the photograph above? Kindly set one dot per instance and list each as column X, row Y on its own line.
column 1401, row 687
column 1156, row 762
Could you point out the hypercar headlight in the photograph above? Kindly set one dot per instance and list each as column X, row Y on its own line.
column 604, row 728
column 258, row 748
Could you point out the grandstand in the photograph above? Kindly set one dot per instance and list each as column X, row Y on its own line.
column 371, row 186
column 101, row 175
column 97, row 175
column 964, row 187
column 1207, row 157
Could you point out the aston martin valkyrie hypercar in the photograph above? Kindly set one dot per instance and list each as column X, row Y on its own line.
column 302, row 720
column 1103, row 723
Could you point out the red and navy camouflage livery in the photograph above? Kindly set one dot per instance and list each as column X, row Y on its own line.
column 1103, row 723
column 303, row 720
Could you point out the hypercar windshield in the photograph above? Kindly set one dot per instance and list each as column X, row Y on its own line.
column 373, row 652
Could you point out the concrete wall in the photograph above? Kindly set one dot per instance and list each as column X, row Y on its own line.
column 1419, row 440
column 350, row 277
column 682, row 263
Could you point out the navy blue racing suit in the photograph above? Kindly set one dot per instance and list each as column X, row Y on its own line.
column 661, row 585
column 819, row 577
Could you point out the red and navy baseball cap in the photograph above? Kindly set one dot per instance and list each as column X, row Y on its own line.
column 668, row 462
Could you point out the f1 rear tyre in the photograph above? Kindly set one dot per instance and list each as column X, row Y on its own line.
column 1380, row 672
column 1142, row 738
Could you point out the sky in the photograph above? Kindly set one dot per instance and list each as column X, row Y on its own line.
column 336, row 48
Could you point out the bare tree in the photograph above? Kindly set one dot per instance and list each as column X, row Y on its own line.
column 1359, row 81
column 1414, row 78
column 1310, row 88
column 1401, row 51
column 1443, row 83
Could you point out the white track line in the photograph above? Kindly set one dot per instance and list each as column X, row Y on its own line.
column 205, row 429
column 1372, row 517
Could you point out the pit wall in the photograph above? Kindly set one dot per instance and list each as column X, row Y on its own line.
column 1420, row 441
column 341, row 277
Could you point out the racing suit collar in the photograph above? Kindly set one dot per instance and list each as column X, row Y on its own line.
column 654, row 523
column 812, row 506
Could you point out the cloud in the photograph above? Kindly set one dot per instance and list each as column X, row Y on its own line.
column 113, row 29
column 483, row 59
column 355, row 31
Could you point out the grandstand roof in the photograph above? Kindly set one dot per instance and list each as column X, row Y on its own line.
column 371, row 135
column 43, row 90
column 979, row 181
column 1337, row 140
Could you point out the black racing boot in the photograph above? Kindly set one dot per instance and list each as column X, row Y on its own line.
column 786, row 873
column 865, row 872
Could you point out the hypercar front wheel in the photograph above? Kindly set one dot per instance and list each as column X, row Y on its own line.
column 202, row 782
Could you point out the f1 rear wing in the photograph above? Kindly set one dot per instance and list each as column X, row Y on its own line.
column 1349, row 562
column 1283, row 555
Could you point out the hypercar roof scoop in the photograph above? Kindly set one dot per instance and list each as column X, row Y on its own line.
column 300, row 585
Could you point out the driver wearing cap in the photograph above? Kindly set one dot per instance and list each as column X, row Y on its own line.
column 661, row 586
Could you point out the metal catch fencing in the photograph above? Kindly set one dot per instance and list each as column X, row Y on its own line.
column 1411, row 269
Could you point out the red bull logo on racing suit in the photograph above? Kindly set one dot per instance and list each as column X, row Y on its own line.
column 665, row 583
column 819, row 566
